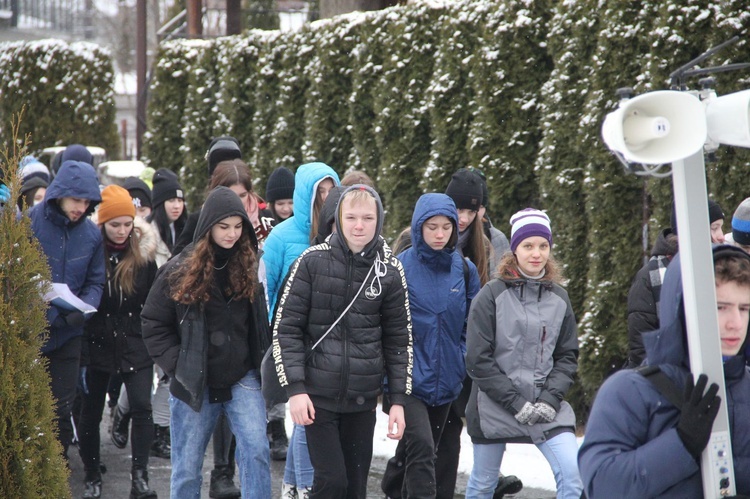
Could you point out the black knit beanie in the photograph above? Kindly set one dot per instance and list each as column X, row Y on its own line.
column 280, row 185
column 485, row 190
column 714, row 213
column 465, row 188
column 166, row 186
column 139, row 191
column 222, row 149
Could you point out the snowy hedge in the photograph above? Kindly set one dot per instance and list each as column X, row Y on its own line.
column 516, row 88
column 67, row 91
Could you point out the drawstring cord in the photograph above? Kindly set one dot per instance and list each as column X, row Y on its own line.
column 381, row 270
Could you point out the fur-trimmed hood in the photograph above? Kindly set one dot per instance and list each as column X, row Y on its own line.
column 148, row 238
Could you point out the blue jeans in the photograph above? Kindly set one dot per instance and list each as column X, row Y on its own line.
column 298, row 469
column 560, row 451
column 191, row 431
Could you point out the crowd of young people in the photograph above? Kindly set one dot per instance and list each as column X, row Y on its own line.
column 455, row 324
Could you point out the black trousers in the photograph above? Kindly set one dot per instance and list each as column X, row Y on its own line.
column 340, row 446
column 138, row 385
column 448, row 454
column 62, row 365
column 410, row 473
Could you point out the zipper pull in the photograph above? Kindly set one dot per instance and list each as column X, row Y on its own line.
column 544, row 336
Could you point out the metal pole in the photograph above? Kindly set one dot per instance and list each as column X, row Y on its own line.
column 234, row 17
column 195, row 18
column 699, row 294
column 140, row 70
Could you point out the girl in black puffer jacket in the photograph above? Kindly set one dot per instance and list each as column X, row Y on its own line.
column 113, row 342
column 204, row 323
column 341, row 323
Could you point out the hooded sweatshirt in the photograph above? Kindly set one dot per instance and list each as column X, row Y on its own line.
column 292, row 236
column 439, row 303
column 328, row 214
column 211, row 345
column 74, row 250
column 632, row 448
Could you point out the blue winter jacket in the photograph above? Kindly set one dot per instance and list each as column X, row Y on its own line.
column 631, row 447
column 291, row 237
column 74, row 250
column 439, row 303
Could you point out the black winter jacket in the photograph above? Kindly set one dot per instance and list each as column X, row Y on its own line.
column 113, row 340
column 176, row 334
column 344, row 373
column 643, row 297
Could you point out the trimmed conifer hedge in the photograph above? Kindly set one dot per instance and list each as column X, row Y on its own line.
column 31, row 460
column 517, row 89
column 67, row 91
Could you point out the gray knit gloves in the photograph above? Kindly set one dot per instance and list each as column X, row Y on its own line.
column 526, row 413
column 531, row 414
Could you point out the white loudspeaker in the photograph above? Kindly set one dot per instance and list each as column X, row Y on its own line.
column 657, row 127
column 728, row 119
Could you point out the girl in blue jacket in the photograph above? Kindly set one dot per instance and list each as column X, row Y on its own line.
column 441, row 284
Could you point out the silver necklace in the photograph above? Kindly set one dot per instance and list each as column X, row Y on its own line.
column 219, row 268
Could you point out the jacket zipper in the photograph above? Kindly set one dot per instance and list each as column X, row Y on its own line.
column 544, row 336
column 344, row 329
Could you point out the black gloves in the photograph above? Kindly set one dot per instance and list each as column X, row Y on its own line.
column 74, row 319
column 698, row 414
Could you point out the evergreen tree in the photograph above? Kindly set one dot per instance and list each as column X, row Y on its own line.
column 203, row 120
column 239, row 83
column 162, row 142
column 729, row 183
column 562, row 157
column 278, row 124
column 402, row 127
column 508, row 71
column 31, row 461
column 67, row 91
column 330, row 87
column 367, row 70
column 613, row 198
column 450, row 95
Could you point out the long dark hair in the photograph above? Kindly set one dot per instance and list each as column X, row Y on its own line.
column 159, row 215
column 191, row 282
column 476, row 249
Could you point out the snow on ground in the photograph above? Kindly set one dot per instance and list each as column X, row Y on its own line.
column 523, row 460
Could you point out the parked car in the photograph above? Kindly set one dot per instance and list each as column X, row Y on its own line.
column 114, row 172
column 49, row 155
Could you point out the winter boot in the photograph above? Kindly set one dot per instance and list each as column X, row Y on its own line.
column 139, row 488
column 279, row 441
column 222, row 485
column 161, row 446
column 119, row 432
column 509, row 484
column 92, row 485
